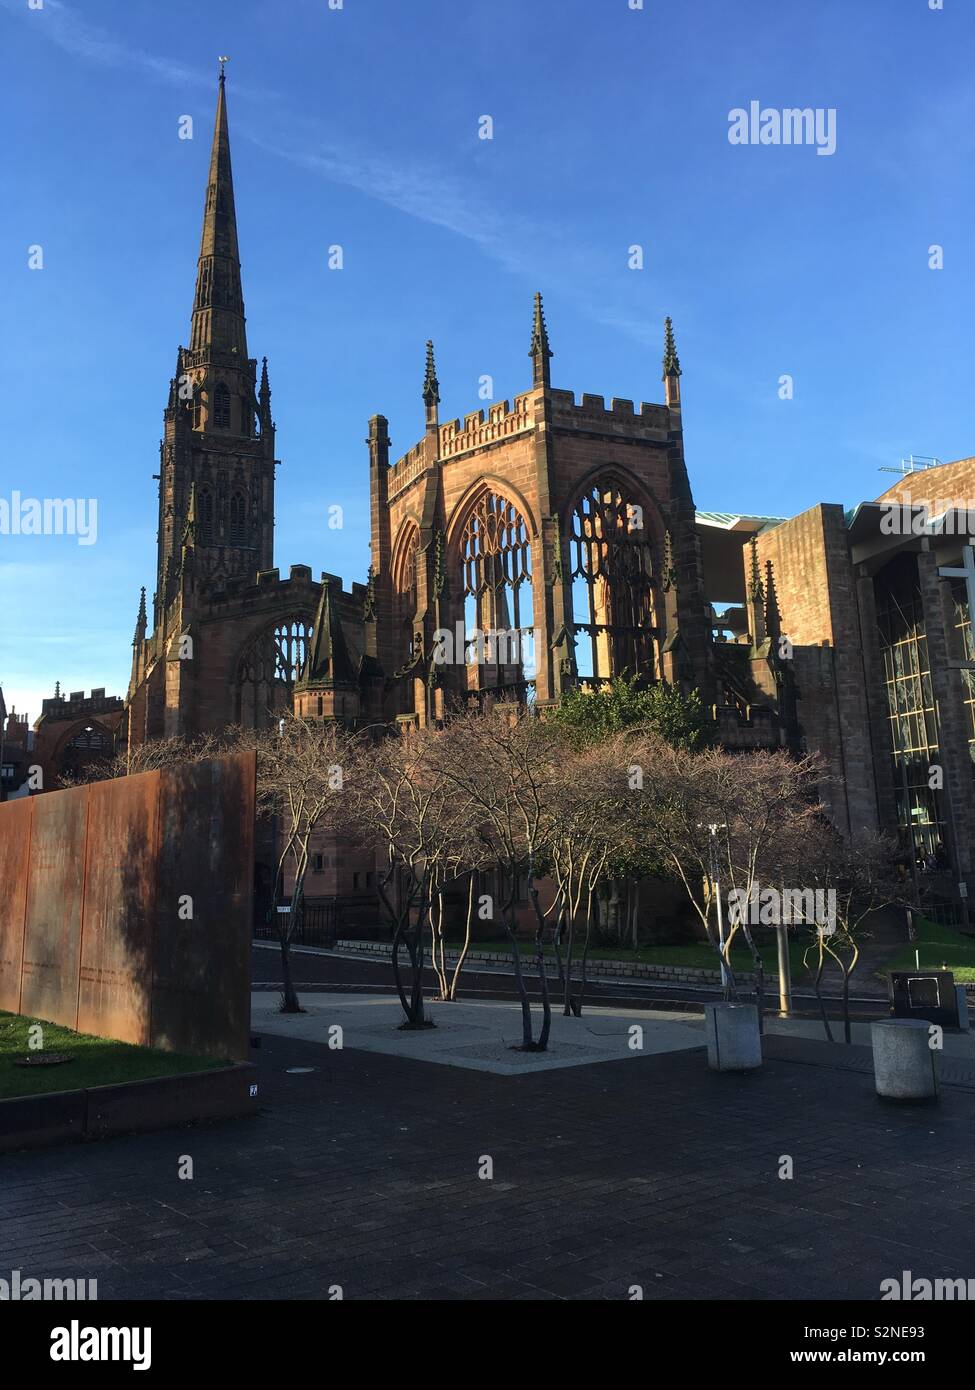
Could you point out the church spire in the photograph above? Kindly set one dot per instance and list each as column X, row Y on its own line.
column 672, row 372
column 218, row 307
column 142, row 621
column 755, row 600
column 328, row 663
column 540, row 352
column 431, row 389
column 773, row 618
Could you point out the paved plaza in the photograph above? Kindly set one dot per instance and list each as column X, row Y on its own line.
column 362, row 1172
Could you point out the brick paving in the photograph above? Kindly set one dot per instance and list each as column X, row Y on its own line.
column 363, row 1173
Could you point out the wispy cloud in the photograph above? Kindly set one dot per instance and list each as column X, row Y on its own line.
column 58, row 24
column 538, row 250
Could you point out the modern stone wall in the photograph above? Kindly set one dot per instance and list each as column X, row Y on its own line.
column 126, row 907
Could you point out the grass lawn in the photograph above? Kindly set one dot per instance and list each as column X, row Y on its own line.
column 696, row 955
column 95, row 1061
column 939, row 946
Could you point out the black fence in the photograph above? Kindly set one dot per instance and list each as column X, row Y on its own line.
column 319, row 926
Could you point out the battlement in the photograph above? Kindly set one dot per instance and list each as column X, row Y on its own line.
column 410, row 466
column 592, row 410
column 300, row 580
column 77, row 704
column 480, row 428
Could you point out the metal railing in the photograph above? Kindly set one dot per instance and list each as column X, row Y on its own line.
column 318, row 926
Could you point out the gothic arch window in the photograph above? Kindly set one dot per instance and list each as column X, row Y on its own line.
column 87, row 746
column 267, row 670
column 611, row 570
column 205, row 504
column 238, row 519
column 404, row 590
column 221, row 406
column 496, row 583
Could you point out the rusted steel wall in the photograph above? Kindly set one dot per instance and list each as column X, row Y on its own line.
column 55, row 893
column 15, row 817
column 125, row 908
column 201, row 978
column 121, row 863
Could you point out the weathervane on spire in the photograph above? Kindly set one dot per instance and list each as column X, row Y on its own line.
column 223, row 60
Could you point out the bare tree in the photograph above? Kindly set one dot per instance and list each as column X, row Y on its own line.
column 861, row 874
column 152, row 756
column 404, row 806
column 586, row 826
column 501, row 766
column 304, row 768
column 728, row 819
column 462, row 857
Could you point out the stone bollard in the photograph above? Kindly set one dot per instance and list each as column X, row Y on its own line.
column 961, row 994
column 734, row 1039
column 904, row 1066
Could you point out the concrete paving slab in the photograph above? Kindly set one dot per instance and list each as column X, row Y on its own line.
column 480, row 1035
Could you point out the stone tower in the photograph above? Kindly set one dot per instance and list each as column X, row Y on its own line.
column 567, row 526
column 226, row 637
column 218, row 434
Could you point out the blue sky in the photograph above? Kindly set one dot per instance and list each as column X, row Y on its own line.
column 359, row 127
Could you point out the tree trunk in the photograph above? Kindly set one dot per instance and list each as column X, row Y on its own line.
column 527, row 1029
column 540, row 963
column 759, row 966
column 567, row 985
column 817, row 990
column 585, row 958
column 417, row 1016
column 398, row 921
column 467, row 940
column 290, row 1003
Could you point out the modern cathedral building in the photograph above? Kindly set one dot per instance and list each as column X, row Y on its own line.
column 540, row 544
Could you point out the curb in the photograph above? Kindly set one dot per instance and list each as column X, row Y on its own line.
column 130, row 1107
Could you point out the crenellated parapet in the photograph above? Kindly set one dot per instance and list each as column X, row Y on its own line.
column 500, row 421
column 652, row 422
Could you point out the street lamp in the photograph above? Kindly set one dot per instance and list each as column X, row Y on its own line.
column 785, row 963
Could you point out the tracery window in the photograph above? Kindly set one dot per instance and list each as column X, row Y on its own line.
column 496, row 573
column 267, row 672
column 611, row 569
column 404, row 589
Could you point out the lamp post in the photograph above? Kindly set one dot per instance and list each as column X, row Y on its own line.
column 785, row 964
